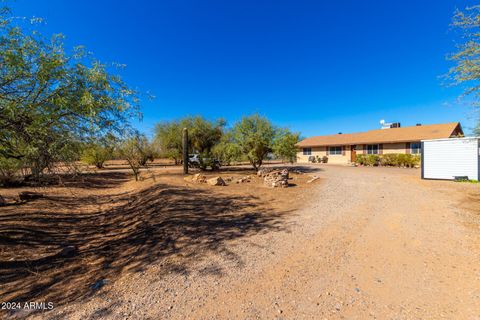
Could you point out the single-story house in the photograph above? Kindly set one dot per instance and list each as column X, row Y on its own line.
column 343, row 148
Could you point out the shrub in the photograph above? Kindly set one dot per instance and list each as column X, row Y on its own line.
column 10, row 171
column 96, row 155
column 372, row 160
column 360, row 159
column 390, row 159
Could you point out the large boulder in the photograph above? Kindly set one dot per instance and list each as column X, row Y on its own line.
column 216, row 181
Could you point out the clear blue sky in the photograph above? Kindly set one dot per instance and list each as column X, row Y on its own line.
column 318, row 67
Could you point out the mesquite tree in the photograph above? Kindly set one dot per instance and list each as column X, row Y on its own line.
column 467, row 58
column 51, row 101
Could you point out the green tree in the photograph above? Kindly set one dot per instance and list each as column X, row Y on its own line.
column 284, row 145
column 146, row 150
column 52, row 101
column 466, row 70
column 131, row 150
column 203, row 135
column 168, row 137
column 96, row 154
column 255, row 137
column 227, row 150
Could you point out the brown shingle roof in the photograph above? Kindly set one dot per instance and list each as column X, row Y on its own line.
column 405, row 134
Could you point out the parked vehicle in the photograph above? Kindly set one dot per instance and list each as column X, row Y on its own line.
column 194, row 161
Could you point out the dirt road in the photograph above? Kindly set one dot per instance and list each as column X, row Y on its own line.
column 369, row 243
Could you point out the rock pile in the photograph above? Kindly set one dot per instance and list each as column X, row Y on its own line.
column 276, row 179
column 264, row 171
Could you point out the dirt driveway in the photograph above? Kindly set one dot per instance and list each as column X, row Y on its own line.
column 374, row 243
column 368, row 243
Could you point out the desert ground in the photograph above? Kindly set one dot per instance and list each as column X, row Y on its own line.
column 358, row 243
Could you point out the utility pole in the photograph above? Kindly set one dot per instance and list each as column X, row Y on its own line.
column 185, row 150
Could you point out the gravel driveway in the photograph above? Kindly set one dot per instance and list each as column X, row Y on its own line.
column 369, row 243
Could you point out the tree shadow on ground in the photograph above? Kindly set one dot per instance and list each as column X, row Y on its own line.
column 86, row 180
column 95, row 180
column 59, row 256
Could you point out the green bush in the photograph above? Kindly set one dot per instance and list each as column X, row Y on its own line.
column 372, row 160
column 10, row 171
column 390, row 159
column 96, row 155
column 408, row 160
column 360, row 159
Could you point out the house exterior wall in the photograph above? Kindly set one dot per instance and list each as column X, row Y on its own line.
column 394, row 148
column 316, row 151
column 346, row 156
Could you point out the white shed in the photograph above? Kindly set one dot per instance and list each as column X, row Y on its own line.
column 451, row 158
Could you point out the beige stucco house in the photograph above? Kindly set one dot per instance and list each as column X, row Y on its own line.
column 343, row 148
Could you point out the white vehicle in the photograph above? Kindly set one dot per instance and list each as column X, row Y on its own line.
column 194, row 161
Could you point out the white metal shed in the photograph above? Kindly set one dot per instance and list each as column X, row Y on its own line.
column 451, row 158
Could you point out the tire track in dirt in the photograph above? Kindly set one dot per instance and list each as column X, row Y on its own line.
column 381, row 250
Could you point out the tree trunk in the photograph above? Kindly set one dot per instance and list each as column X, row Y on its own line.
column 254, row 165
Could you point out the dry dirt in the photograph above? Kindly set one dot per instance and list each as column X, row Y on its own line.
column 359, row 243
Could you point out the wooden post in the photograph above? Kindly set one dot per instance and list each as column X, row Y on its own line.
column 185, row 150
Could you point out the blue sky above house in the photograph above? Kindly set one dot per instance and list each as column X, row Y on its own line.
column 317, row 67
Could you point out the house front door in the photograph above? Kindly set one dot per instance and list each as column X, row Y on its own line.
column 353, row 153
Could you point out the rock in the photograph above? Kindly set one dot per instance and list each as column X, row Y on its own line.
column 243, row 179
column 313, row 179
column 2, row 201
column 216, row 181
column 29, row 195
column 199, row 178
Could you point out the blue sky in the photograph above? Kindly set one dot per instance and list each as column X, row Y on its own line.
column 318, row 67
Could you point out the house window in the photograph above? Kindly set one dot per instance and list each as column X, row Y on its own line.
column 416, row 148
column 372, row 149
column 335, row 150
column 307, row 151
